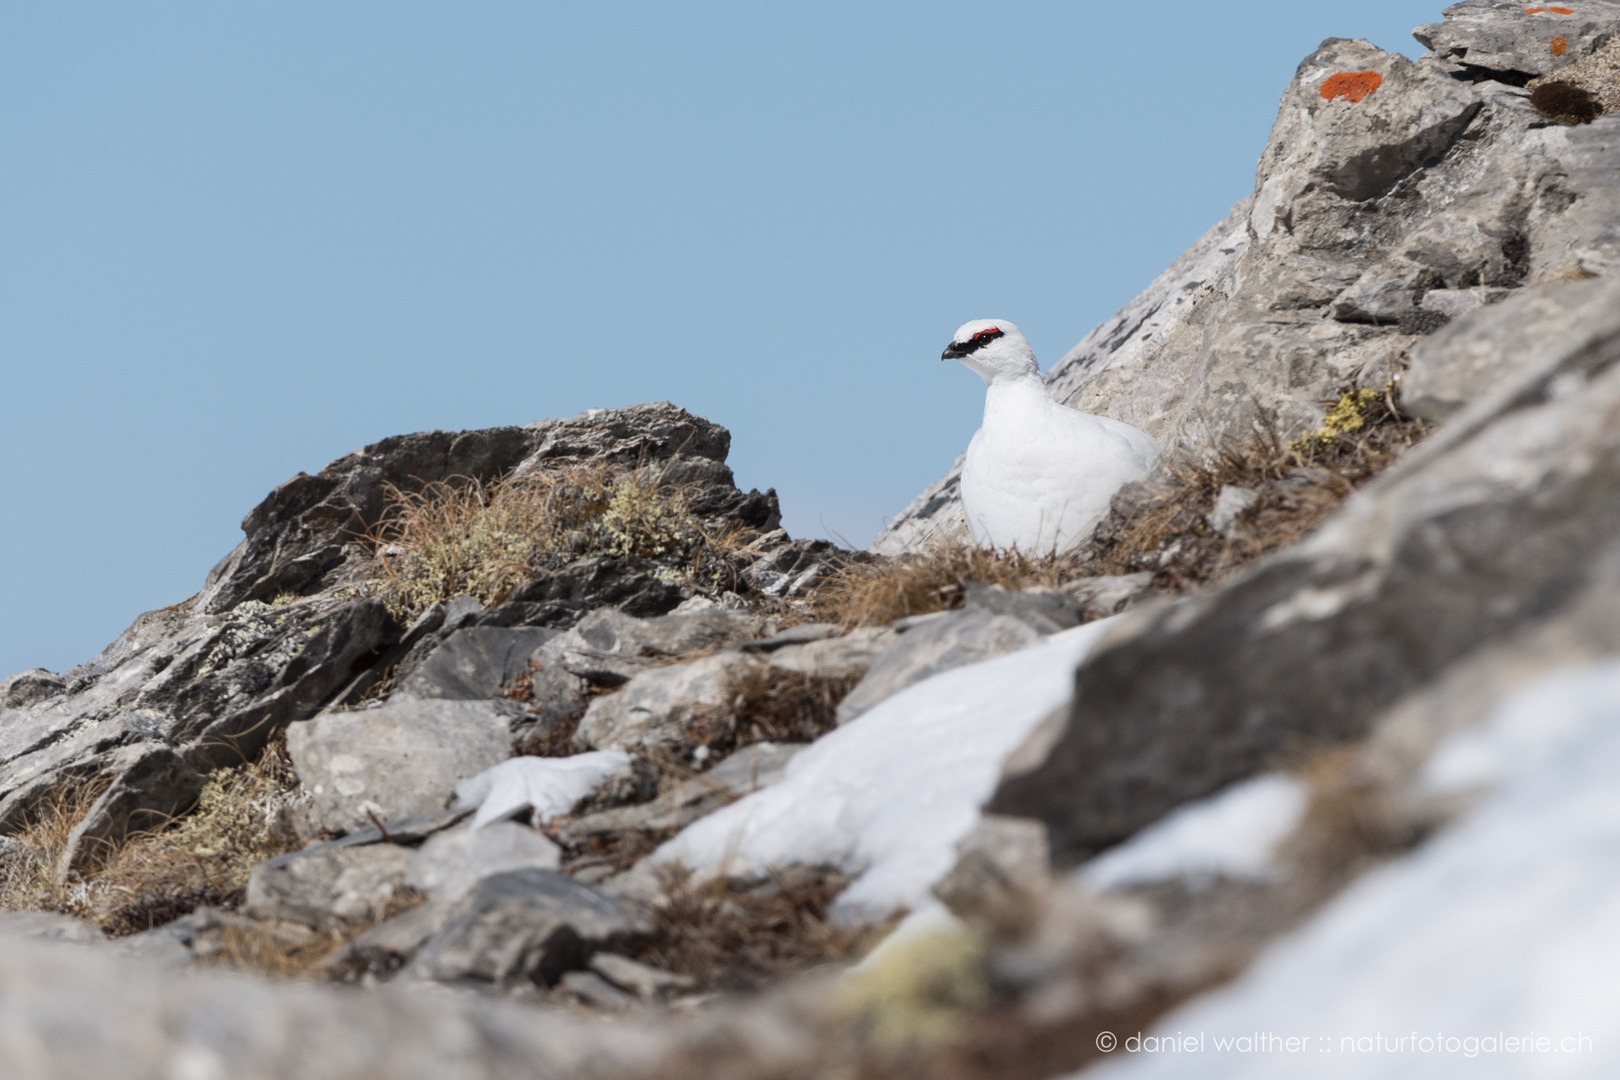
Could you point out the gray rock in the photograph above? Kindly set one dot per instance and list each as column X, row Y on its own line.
column 1496, row 37
column 1108, row 594
column 559, row 599
column 49, row 926
column 521, row 926
column 474, row 662
column 1476, row 353
column 793, row 635
column 1044, row 611
column 608, row 647
column 645, row 982
column 756, row 766
column 411, row 829
column 330, row 888
column 397, row 759
column 26, row 687
column 657, row 706
column 794, row 567
column 451, row 863
column 949, row 641
column 388, row 946
column 848, row 656
column 1499, row 520
column 1230, row 504
column 589, row 988
column 1002, row 865
column 152, row 784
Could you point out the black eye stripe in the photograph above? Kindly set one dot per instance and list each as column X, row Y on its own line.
column 980, row 340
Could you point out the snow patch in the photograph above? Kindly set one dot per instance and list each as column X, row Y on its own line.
column 1505, row 925
column 550, row 785
column 1231, row 834
column 888, row 795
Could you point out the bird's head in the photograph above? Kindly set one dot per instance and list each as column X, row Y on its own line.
column 993, row 348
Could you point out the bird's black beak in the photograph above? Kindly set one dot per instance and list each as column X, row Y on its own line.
column 955, row 351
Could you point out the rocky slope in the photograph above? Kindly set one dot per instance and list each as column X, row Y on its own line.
column 634, row 811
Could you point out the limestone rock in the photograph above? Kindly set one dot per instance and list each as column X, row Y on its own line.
column 329, row 888
column 152, row 783
column 655, row 707
column 1507, row 40
column 1473, row 355
column 448, row 866
column 397, row 759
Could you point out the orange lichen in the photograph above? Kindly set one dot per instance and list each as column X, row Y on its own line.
column 1559, row 45
column 1561, row 10
column 1351, row 85
column 1534, row 10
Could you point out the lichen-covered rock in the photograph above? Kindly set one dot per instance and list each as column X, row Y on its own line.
column 1511, row 40
column 329, row 888
column 656, row 707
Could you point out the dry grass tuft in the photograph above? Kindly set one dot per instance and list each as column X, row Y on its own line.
column 28, row 869
column 463, row 537
column 735, row 939
column 159, row 875
column 934, row 579
column 1166, row 527
column 767, row 704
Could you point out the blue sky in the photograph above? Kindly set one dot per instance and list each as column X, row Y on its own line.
column 237, row 241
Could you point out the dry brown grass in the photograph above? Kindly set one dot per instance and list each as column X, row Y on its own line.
column 733, row 939
column 158, row 875
column 933, row 579
column 464, row 537
column 1165, row 527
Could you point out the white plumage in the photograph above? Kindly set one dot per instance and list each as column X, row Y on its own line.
column 1038, row 475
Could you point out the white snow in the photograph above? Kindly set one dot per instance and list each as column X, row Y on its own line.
column 888, row 795
column 550, row 785
column 1505, row 926
column 1231, row 834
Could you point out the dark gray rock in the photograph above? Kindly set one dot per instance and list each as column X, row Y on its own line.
column 306, row 528
column 1501, row 39
column 1500, row 520
column 608, row 647
column 793, row 635
column 397, row 759
column 522, row 926
column 631, row 585
column 151, row 784
column 388, row 946
column 948, row 641
column 330, row 888
column 412, row 829
column 474, row 662
column 1044, row 611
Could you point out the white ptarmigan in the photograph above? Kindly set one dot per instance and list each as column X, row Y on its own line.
column 1038, row 475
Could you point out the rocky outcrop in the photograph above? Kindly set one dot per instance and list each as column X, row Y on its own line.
column 1380, row 212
